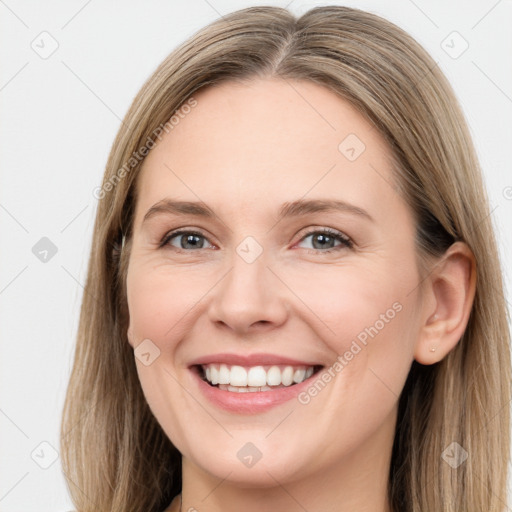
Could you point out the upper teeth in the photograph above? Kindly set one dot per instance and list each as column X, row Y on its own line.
column 256, row 376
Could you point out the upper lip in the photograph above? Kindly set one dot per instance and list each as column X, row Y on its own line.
column 251, row 360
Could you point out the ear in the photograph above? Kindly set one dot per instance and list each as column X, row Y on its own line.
column 130, row 337
column 450, row 291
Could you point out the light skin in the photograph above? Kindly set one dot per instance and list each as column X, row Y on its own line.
column 244, row 150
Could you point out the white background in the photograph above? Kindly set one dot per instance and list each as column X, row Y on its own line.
column 59, row 117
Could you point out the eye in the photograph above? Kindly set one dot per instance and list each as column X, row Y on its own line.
column 192, row 241
column 324, row 240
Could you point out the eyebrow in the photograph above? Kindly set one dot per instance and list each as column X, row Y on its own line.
column 289, row 209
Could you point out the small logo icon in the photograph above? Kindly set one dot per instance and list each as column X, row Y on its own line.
column 249, row 455
column 454, row 45
column 44, row 250
column 146, row 352
column 249, row 249
column 45, row 45
column 351, row 147
column 44, row 455
column 454, row 455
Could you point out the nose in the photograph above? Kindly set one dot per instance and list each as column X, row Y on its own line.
column 250, row 298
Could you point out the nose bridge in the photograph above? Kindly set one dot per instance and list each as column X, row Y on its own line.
column 249, row 294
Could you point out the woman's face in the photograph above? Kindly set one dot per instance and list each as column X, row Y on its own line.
column 254, row 292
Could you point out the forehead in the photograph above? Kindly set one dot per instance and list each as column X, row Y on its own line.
column 266, row 141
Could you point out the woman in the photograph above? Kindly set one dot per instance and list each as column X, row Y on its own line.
column 294, row 299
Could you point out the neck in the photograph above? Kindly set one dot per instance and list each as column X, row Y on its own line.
column 358, row 481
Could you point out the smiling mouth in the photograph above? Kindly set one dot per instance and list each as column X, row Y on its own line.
column 242, row 379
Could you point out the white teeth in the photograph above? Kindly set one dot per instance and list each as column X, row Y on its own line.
column 248, row 389
column 256, row 378
column 274, row 376
column 214, row 375
column 240, row 389
column 224, row 374
column 287, row 376
column 299, row 375
column 238, row 376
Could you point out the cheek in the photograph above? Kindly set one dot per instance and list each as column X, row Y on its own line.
column 367, row 317
column 160, row 303
column 356, row 302
column 371, row 318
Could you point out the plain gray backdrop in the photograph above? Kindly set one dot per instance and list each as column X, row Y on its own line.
column 69, row 73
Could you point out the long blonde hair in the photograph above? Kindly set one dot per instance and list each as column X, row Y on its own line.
column 115, row 455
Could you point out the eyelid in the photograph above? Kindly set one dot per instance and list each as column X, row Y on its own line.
column 309, row 230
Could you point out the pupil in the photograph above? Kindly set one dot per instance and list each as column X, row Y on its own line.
column 325, row 238
column 192, row 239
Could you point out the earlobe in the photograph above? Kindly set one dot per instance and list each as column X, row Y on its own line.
column 451, row 289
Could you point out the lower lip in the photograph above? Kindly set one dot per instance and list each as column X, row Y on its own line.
column 251, row 402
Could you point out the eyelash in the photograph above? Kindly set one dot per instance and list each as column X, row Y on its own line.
column 346, row 242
